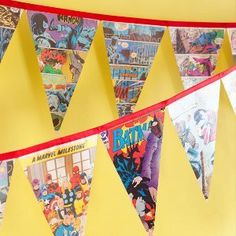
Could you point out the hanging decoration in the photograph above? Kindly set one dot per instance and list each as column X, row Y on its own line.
column 131, row 49
column 196, row 52
column 61, row 43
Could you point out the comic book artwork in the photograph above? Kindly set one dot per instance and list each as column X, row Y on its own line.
column 229, row 82
column 195, row 118
column 196, row 51
column 232, row 39
column 131, row 49
column 6, row 169
column 134, row 148
column 61, row 181
column 61, row 44
column 9, row 18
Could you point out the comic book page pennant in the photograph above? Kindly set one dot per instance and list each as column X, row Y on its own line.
column 229, row 82
column 134, row 148
column 61, row 181
column 6, row 169
column 232, row 40
column 9, row 18
column 61, row 43
column 196, row 52
column 131, row 49
column 195, row 119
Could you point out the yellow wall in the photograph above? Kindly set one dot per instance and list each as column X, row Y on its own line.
column 25, row 121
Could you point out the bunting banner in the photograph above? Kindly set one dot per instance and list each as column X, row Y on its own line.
column 6, row 169
column 229, row 82
column 131, row 49
column 61, row 177
column 232, row 40
column 196, row 52
column 9, row 18
column 195, row 120
column 61, row 43
column 134, row 148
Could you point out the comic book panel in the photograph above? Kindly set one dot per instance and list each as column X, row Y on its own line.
column 61, row 31
column 134, row 32
column 61, row 62
column 6, row 169
column 130, row 53
column 127, row 91
column 61, row 180
column 134, row 148
column 196, row 65
column 9, row 16
column 129, row 72
column 229, row 82
column 125, row 108
column 232, row 39
column 196, row 40
column 5, row 37
column 195, row 118
column 189, row 82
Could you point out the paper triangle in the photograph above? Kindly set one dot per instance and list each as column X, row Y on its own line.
column 195, row 119
column 134, row 148
column 9, row 18
column 61, row 43
column 232, row 40
column 196, row 51
column 131, row 49
column 61, row 177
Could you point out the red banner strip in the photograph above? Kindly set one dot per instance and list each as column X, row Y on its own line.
column 35, row 7
column 117, row 122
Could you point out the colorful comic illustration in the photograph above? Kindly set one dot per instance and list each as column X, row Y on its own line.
column 131, row 49
column 134, row 148
column 229, row 82
column 6, row 169
column 61, row 43
column 196, row 40
column 195, row 119
column 61, row 31
column 232, row 39
column 196, row 51
column 61, row 181
column 9, row 18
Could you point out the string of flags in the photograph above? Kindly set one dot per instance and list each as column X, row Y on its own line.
column 60, row 171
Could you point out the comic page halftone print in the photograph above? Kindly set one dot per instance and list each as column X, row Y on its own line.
column 232, row 40
column 229, row 82
column 195, row 119
column 131, row 49
column 196, row 51
column 61, row 44
column 134, row 148
column 9, row 18
column 61, row 181
column 6, row 169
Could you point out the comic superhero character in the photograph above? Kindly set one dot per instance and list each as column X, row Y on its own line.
column 84, row 182
column 66, row 228
column 68, row 196
column 79, row 201
column 76, row 65
column 113, row 56
column 36, row 188
column 75, row 178
column 52, row 187
column 39, row 25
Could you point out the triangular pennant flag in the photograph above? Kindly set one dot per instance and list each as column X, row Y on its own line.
column 9, row 18
column 195, row 119
column 61, row 177
column 134, row 148
column 196, row 51
column 229, row 82
column 62, row 43
column 131, row 49
column 6, row 169
column 232, row 40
